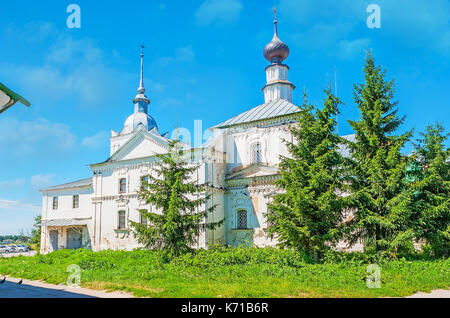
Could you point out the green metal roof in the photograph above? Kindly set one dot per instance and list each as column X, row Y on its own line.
column 14, row 96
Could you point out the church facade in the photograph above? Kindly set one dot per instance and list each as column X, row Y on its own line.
column 239, row 164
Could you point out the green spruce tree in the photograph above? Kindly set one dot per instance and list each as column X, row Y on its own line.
column 182, row 204
column 423, row 209
column 36, row 231
column 378, row 167
column 307, row 214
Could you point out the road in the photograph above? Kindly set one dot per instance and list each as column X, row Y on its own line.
column 30, row 253
column 37, row 289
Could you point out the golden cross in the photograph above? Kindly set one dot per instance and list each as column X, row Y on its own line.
column 275, row 11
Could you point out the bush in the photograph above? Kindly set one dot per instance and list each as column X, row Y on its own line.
column 220, row 256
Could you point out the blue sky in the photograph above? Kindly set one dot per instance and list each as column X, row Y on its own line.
column 203, row 61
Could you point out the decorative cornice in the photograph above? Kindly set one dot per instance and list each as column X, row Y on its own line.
column 117, row 197
column 284, row 82
column 283, row 119
column 252, row 181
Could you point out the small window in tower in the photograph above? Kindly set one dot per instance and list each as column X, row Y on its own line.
column 55, row 203
column 76, row 201
column 242, row 219
column 123, row 185
column 256, row 153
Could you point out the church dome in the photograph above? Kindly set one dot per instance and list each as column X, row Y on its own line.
column 276, row 51
column 136, row 119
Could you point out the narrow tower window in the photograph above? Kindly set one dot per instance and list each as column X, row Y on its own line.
column 256, row 153
column 76, row 201
column 55, row 203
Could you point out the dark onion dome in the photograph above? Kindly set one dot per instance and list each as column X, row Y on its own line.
column 276, row 51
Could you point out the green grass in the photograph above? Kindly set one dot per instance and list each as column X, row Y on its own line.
column 238, row 272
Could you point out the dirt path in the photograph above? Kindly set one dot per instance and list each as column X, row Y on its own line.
column 438, row 293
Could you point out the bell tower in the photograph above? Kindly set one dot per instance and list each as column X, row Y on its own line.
column 277, row 82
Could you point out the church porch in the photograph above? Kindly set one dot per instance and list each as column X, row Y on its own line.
column 60, row 234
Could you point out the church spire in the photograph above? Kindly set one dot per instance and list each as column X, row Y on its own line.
column 141, row 88
column 141, row 101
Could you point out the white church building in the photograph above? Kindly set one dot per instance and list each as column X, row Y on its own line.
column 240, row 164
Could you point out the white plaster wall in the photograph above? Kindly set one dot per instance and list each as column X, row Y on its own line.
column 276, row 72
column 117, row 141
column 110, row 201
column 146, row 148
column 239, row 144
column 277, row 91
column 65, row 210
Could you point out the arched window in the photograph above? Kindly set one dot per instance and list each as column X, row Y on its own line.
column 256, row 153
column 242, row 219
column 122, row 185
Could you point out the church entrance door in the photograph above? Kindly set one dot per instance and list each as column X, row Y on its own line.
column 54, row 239
column 73, row 238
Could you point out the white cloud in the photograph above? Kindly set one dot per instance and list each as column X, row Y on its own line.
column 15, row 205
column 330, row 25
column 40, row 139
column 350, row 49
column 42, row 180
column 182, row 54
column 8, row 184
column 98, row 140
column 17, row 215
column 169, row 102
column 33, row 31
column 71, row 68
column 221, row 11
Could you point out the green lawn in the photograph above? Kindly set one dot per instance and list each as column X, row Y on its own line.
column 230, row 273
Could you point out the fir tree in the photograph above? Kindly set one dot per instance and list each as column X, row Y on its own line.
column 182, row 204
column 378, row 167
column 307, row 214
column 424, row 208
column 36, row 231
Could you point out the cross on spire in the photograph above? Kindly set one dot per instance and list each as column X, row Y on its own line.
column 275, row 12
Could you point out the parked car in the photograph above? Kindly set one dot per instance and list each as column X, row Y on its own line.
column 22, row 248
column 5, row 249
column 13, row 248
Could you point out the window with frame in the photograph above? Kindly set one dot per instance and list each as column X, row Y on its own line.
column 122, row 185
column 242, row 219
column 55, row 203
column 144, row 182
column 256, row 153
column 76, row 201
column 122, row 220
column 142, row 218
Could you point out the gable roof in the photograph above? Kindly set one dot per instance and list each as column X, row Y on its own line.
column 139, row 135
column 275, row 108
column 70, row 185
